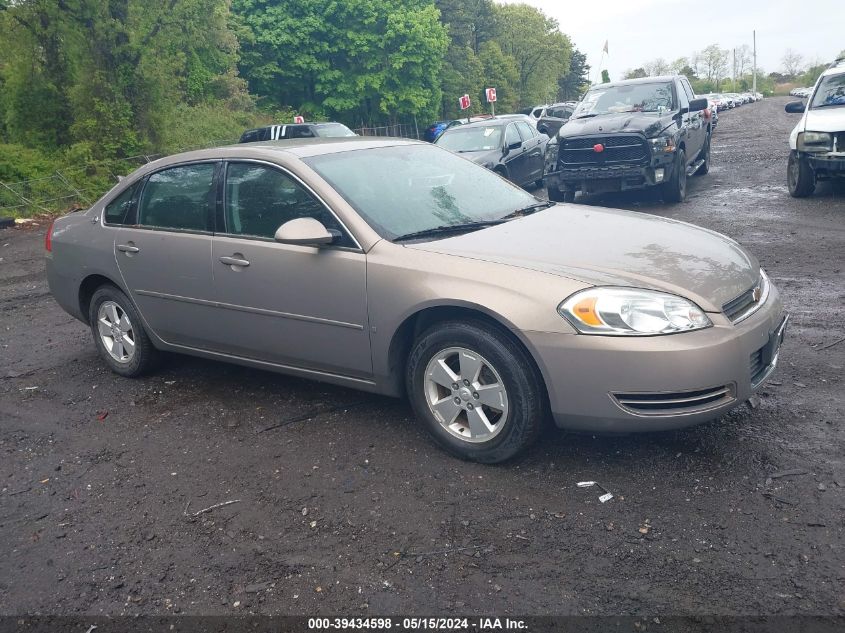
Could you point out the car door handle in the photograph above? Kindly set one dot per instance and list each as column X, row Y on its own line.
column 128, row 248
column 234, row 261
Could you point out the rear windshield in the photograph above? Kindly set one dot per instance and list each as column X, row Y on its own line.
column 334, row 130
column 471, row 139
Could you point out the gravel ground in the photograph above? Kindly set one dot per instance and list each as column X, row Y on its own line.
column 344, row 507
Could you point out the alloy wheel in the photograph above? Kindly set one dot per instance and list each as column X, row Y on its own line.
column 116, row 332
column 466, row 394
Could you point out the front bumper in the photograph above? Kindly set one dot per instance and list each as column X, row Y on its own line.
column 592, row 179
column 634, row 384
column 827, row 165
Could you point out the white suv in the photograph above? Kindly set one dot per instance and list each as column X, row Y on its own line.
column 817, row 143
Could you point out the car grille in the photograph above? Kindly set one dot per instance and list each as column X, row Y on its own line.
column 618, row 150
column 674, row 403
column 746, row 303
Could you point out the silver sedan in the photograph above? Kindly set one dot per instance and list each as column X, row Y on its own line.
column 399, row 268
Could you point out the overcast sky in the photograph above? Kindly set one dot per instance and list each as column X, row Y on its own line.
column 641, row 30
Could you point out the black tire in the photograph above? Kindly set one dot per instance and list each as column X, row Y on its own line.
column 145, row 356
column 543, row 130
column 705, row 154
column 675, row 190
column 503, row 172
column 800, row 177
column 556, row 195
column 539, row 183
column 526, row 398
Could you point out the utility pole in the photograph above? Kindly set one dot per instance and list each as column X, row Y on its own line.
column 754, row 77
column 733, row 72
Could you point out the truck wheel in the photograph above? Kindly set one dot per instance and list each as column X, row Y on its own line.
column 675, row 190
column 800, row 177
column 477, row 392
column 705, row 154
column 556, row 195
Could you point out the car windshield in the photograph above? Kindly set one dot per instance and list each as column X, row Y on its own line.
column 645, row 97
column 831, row 92
column 400, row 190
column 471, row 139
column 335, row 130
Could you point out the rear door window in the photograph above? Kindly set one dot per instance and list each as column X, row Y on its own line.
column 120, row 210
column 180, row 198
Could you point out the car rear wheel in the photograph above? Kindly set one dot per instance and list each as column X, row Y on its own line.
column 477, row 392
column 675, row 190
column 800, row 177
column 118, row 333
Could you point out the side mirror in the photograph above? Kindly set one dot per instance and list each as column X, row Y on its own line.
column 304, row 232
column 513, row 146
column 795, row 107
column 697, row 105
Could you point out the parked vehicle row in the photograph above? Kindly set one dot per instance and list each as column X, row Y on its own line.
column 801, row 92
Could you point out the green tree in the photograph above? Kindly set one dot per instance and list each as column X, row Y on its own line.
column 539, row 50
column 573, row 84
column 605, row 77
column 635, row 73
column 362, row 60
column 500, row 72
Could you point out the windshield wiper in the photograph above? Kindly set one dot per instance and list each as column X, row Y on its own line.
column 447, row 228
column 531, row 208
column 586, row 116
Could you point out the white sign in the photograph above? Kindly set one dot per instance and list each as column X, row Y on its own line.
column 491, row 95
column 464, row 102
column 299, row 119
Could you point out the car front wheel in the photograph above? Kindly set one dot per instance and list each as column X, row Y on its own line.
column 675, row 190
column 118, row 333
column 800, row 177
column 476, row 391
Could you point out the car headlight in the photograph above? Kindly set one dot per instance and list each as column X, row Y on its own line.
column 631, row 312
column 815, row 141
column 662, row 144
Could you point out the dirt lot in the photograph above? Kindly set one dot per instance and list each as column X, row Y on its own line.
column 344, row 507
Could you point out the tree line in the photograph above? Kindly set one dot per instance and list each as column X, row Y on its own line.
column 112, row 78
column 714, row 69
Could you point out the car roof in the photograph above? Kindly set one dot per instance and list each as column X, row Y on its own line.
column 638, row 80
column 299, row 148
column 491, row 122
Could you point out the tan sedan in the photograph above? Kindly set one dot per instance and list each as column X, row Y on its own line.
column 399, row 268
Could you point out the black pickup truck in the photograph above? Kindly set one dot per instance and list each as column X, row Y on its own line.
column 631, row 135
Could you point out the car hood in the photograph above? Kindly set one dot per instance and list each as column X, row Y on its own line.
column 482, row 157
column 648, row 123
column 830, row 119
column 607, row 247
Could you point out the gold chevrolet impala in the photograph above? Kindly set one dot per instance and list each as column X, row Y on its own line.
column 399, row 268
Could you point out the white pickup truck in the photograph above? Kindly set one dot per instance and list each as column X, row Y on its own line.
column 817, row 143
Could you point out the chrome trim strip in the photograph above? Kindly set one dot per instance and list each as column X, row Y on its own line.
column 262, row 311
column 288, row 368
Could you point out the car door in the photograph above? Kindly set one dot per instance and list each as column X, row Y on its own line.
column 534, row 146
column 300, row 306
column 516, row 159
column 693, row 121
column 164, row 256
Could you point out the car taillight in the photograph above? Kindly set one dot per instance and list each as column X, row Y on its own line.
column 48, row 239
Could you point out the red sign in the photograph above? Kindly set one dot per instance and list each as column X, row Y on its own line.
column 491, row 95
column 299, row 119
column 464, row 102
column 598, row 147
